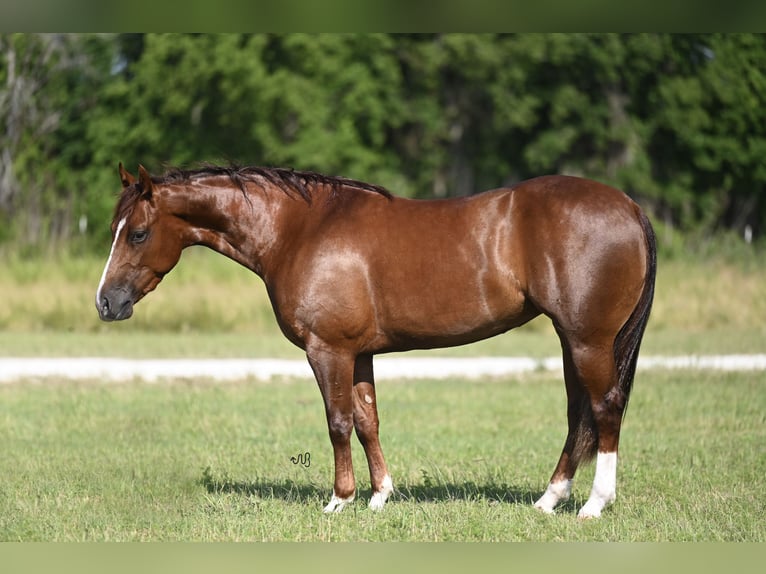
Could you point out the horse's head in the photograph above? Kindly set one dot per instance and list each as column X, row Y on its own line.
column 146, row 244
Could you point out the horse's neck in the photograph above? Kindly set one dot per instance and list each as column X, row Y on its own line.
column 242, row 225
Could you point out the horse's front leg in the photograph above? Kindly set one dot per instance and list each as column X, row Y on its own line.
column 334, row 373
column 366, row 423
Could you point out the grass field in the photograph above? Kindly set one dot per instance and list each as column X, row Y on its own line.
column 197, row 461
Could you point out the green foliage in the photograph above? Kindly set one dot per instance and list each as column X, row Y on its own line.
column 51, row 82
column 678, row 121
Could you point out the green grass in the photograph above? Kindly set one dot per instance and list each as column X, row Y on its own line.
column 197, row 461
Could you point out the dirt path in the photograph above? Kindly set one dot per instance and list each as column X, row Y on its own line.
column 113, row 369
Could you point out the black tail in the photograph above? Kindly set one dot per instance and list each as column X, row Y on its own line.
column 628, row 340
column 626, row 345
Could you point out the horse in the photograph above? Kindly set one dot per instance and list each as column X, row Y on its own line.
column 353, row 271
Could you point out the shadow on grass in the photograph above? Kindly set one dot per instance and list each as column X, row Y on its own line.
column 481, row 493
column 284, row 490
column 490, row 493
column 290, row 491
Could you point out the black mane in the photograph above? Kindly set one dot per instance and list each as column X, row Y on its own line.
column 288, row 180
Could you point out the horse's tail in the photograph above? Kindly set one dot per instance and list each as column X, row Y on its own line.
column 626, row 346
column 628, row 340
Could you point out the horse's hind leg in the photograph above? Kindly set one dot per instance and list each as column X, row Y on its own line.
column 607, row 403
column 366, row 425
column 595, row 407
column 579, row 442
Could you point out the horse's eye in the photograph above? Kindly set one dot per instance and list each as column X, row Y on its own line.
column 138, row 236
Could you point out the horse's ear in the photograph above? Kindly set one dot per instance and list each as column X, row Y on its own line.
column 145, row 181
column 126, row 177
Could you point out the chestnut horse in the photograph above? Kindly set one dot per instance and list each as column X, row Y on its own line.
column 353, row 271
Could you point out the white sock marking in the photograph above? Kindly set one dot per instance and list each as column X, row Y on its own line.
column 556, row 492
column 337, row 504
column 120, row 225
column 379, row 499
column 604, row 488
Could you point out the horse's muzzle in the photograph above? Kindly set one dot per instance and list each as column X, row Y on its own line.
column 114, row 306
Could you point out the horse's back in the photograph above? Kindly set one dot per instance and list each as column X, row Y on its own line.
column 563, row 196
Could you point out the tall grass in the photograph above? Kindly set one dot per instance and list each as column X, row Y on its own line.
column 711, row 303
column 205, row 292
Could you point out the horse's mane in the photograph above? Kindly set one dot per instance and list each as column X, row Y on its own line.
column 288, row 180
column 301, row 182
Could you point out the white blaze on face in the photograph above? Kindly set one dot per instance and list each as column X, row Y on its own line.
column 120, row 225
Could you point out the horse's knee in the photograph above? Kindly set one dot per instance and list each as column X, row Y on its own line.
column 340, row 426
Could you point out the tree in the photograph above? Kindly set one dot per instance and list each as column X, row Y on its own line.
column 678, row 121
column 49, row 82
column 709, row 130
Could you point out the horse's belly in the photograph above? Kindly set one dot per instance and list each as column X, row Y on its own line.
column 452, row 316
